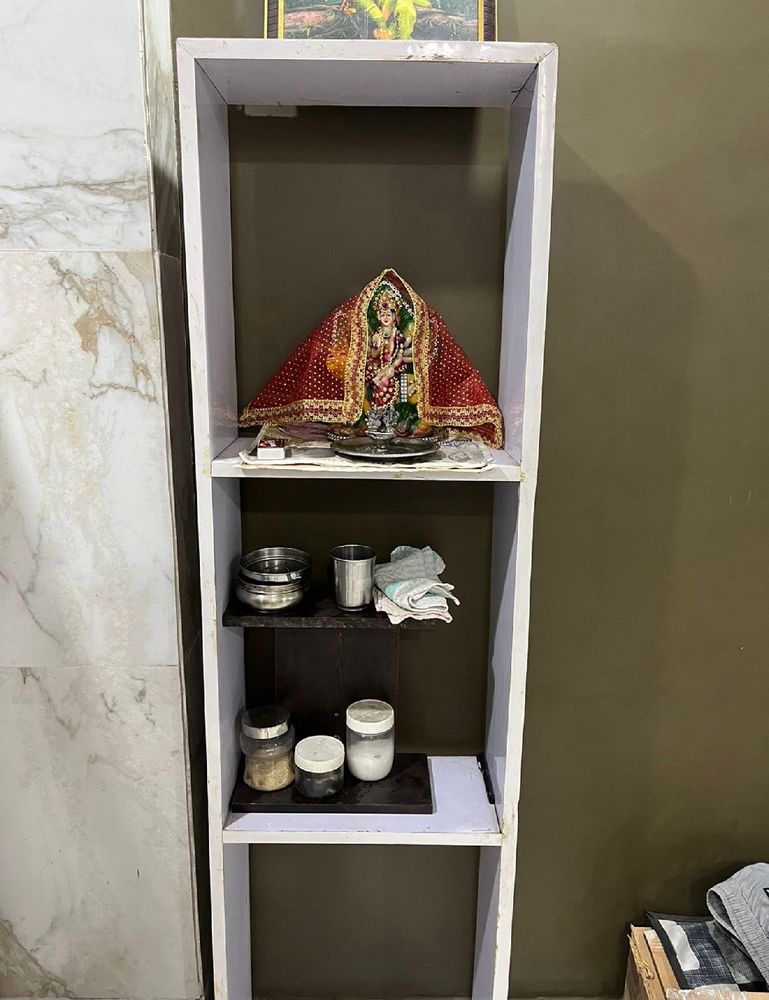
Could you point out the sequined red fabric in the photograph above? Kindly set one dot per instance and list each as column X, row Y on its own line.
column 324, row 379
column 456, row 395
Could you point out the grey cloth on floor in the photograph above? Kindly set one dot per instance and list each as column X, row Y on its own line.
column 739, row 961
column 740, row 909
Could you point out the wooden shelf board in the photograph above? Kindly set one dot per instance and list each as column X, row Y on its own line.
column 317, row 611
column 407, row 790
column 463, row 817
column 227, row 465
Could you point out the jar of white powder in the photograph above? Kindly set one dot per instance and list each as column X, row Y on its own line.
column 370, row 739
column 267, row 740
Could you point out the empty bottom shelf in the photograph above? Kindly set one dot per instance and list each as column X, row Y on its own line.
column 463, row 816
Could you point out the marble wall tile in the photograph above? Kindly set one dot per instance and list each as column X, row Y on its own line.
column 73, row 168
column 86, row 551
column 161, row 126
column 98, row 897
column 98, row 901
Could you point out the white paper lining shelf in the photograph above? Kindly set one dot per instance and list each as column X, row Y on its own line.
column 228, row 465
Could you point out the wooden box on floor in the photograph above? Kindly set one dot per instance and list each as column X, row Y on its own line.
column 649, row 975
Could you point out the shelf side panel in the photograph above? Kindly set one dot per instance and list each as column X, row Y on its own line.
column 502, row 618
column 205, row 168
column 512, row 559
column 526, row 273
column 494, row 922
column 237, row 922
column 230, row 920
column 530, row 181
column 516, row 290
column 224, row 679
column 205, row 163
column 537, row 174
column 208, row 252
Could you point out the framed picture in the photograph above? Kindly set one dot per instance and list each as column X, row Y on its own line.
column 447, row 20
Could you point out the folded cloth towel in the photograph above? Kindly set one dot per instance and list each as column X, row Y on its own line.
column 740, row 909
column 408, row 586
column 397, row 614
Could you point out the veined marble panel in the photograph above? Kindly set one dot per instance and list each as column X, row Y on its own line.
column 86, row 540
column 161, row 125
column 73, row 167
column 96, row 892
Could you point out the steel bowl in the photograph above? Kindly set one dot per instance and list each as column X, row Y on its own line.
column 278, row 564
column 266, row 597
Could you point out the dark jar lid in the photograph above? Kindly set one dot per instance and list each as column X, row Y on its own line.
column 266, row 722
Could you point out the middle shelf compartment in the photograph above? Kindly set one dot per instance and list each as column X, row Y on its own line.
column 315, row 660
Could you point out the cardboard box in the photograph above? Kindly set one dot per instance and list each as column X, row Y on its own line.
column 650, row 976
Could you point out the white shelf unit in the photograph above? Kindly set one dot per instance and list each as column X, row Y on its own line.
column 214, row 73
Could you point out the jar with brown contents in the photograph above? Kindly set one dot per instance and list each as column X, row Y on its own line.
column 267, row 740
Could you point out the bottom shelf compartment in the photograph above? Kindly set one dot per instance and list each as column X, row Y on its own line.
column 462, row 815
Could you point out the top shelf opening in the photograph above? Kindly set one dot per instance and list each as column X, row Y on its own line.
column 366, row 73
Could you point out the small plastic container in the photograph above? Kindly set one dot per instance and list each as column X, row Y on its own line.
column 319, row 764
column 370, row 739
column 267, row 740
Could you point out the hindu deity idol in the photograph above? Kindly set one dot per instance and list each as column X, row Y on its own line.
column 381, row 364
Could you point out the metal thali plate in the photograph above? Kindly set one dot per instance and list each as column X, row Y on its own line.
column 398, row 450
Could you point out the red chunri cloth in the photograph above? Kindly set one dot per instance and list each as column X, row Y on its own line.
column 324, row 379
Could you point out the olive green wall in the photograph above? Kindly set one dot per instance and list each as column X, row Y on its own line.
column 645, row 751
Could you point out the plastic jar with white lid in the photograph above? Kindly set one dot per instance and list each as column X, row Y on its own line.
column 319, row 762
column 370, row 739
column 267, row 740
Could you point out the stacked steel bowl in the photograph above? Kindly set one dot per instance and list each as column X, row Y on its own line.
column 273, row 579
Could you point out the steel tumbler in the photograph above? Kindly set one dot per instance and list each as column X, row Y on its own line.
column 353, row 576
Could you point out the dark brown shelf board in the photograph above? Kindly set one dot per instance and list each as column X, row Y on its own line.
column 406, row 789
column 314, row 612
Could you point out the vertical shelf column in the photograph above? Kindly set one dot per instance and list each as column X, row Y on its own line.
column 206, row 181
column 532, row 133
